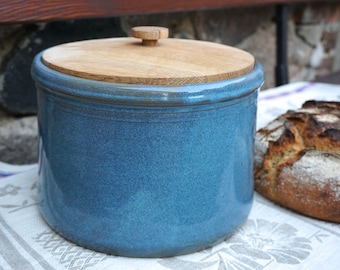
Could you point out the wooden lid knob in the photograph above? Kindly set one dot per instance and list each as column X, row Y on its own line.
column 150, row 34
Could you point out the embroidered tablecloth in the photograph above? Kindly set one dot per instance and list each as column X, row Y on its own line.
column 272, row 238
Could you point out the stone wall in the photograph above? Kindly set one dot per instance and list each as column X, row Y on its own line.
column 313, row 47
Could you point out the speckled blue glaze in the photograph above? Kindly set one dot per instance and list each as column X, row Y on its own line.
column 145, row 171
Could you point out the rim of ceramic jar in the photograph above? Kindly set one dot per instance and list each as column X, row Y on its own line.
column 147, row 95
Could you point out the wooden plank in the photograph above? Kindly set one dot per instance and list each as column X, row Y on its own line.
column 25, row 11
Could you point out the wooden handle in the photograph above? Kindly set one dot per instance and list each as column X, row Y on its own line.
column 150, row 34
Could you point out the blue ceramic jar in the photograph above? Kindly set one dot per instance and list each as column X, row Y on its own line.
column 145, row 170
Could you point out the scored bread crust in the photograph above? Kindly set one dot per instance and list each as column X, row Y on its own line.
column 297, row 160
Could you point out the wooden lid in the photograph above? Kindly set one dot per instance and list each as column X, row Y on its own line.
column 151, row 62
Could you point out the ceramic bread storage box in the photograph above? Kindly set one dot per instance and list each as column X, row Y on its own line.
column 146, row 147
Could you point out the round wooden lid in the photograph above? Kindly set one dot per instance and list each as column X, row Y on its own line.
column 151, row 62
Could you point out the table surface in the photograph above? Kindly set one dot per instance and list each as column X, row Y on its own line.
column 272, row 238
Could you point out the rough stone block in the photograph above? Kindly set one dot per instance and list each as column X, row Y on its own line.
column 310, row 33
column 17, row 89
column 226, row 26
column 18, row 139
column 318, row 12
column 231, row 26
column 325, row 67
column 332, row 12
column 329, row 39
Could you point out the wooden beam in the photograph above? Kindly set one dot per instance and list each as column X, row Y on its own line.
column 26, row 11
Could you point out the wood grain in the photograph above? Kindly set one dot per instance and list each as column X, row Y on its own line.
column 25, row 11
column 172, row 62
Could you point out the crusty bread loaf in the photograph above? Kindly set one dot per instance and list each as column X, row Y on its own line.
column 297, row 160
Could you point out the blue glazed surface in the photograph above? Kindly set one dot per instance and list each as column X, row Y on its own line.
column 145, row 171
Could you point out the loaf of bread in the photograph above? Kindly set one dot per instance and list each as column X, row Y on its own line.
column 297, row 160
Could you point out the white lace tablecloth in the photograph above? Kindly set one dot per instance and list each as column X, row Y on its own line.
column 272, row 238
